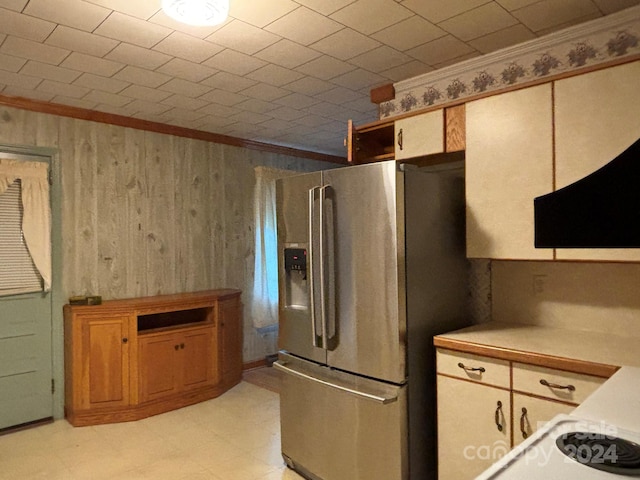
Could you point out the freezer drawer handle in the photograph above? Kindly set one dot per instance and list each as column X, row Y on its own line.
column 384, row 400
column 471, row 369
column 571, row 388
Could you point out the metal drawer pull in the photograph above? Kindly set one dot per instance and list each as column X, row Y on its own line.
column 571, row 388
column 471, row 369
column 523, row 423
column 497, row 416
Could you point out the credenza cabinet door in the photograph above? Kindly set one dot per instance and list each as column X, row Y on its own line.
column 230, row 341
column 104, row 361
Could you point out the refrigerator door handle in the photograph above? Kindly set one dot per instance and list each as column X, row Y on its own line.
column 315, row 335
column 280, row 365
column 327, row 274
column 322, row 274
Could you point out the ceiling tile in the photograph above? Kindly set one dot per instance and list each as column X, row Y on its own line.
column 287, row 54
column 137, row 56
column 219, row 110
column 223, row 98
column 107, row 98
column 515, row 4
column 72, row 13
column 454, row 60
column 440, row 50
column 180, row 115
column 140, row 76
column 12, row 23
column 73, row 102
column 22, row 91
column 345, row 44
column 17, row 80
column 260, row 13
column 213, row 122
column 364, row 15
column 547, row 14
column 265, row 92
column 161, row 18
column 50, row 72
column 97, row 82
column 338, row 96
column 193, row 72
column 478, row 22
column 145, row 93
column 145, row 108
column 138, row 8
column 325, row 67
column 408, row 70
column 611, row 6
column 568, row 23
column 257, row 106
column 183, row 87
column 363, row 105
column 11, row 63
column 125, row 110
column 63, row 89
column 132, row 30
column 228, row 81
column 274, row 75
column 297, row 100
column 409, row 33
column 91, row 64
column 326, row 7
column 436, row 12
column 20, row 47
column 250, row 117
column 304, row 26
column 15, row 5
column 234, row 62
column 309, row 86
column 312, row 121
column 184, row 46
column 503, row 38
column 286, row 113
column 185, row 102
column 382, row 58
column 359, row 79
column 243, row 37
column 83, row 42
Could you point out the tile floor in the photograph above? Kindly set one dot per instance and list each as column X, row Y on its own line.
column 233, row 437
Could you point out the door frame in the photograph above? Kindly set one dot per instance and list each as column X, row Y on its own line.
column 57, row 296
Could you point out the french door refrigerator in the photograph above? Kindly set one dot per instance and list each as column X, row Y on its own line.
column 371, row 266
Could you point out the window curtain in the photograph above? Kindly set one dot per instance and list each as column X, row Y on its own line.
column 36, row 220
column 265, row 287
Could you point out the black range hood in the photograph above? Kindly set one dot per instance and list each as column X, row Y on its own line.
column 601, row 210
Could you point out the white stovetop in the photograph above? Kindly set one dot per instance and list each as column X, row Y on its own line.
column 613, row 409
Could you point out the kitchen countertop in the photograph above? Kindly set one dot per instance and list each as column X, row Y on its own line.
column 616, row 401
column 579, row 351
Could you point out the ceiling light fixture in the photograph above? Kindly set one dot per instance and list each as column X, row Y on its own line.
column 197, row 12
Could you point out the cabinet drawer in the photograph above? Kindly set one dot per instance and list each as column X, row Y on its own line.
column 560, row 385
column 480, row 369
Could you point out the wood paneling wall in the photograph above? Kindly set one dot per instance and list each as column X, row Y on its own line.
column 145, row 213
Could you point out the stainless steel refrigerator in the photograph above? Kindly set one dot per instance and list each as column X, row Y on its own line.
column 371, row 266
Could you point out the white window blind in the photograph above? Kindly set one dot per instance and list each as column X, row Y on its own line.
column 18, row 273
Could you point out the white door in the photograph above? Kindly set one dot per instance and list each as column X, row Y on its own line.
column 25, row 346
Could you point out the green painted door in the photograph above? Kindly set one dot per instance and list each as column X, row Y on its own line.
column 25, row 351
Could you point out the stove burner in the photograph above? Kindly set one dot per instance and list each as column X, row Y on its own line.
column 602, row 452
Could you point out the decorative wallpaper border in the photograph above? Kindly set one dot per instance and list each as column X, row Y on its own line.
column 606, row 39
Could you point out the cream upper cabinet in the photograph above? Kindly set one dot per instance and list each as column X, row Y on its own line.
column 419, row 135
column 596, row 118
column 509, row 162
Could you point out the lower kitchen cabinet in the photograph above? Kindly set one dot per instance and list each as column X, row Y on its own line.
column 486, row 406
column 474, row 427
column 132, row 358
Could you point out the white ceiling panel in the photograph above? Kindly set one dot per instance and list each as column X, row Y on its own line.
column 287, row 71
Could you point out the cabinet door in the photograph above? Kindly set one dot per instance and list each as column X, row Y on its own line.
column 105, row 361
column 157, row 365
column 530, row 413
column 198, row 362
column 474, row 427
column 596, row 118
column 508, row 163
column 230, row 341
column 419, row 135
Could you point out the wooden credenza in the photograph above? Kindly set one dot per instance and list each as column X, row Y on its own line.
column 132, row 358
